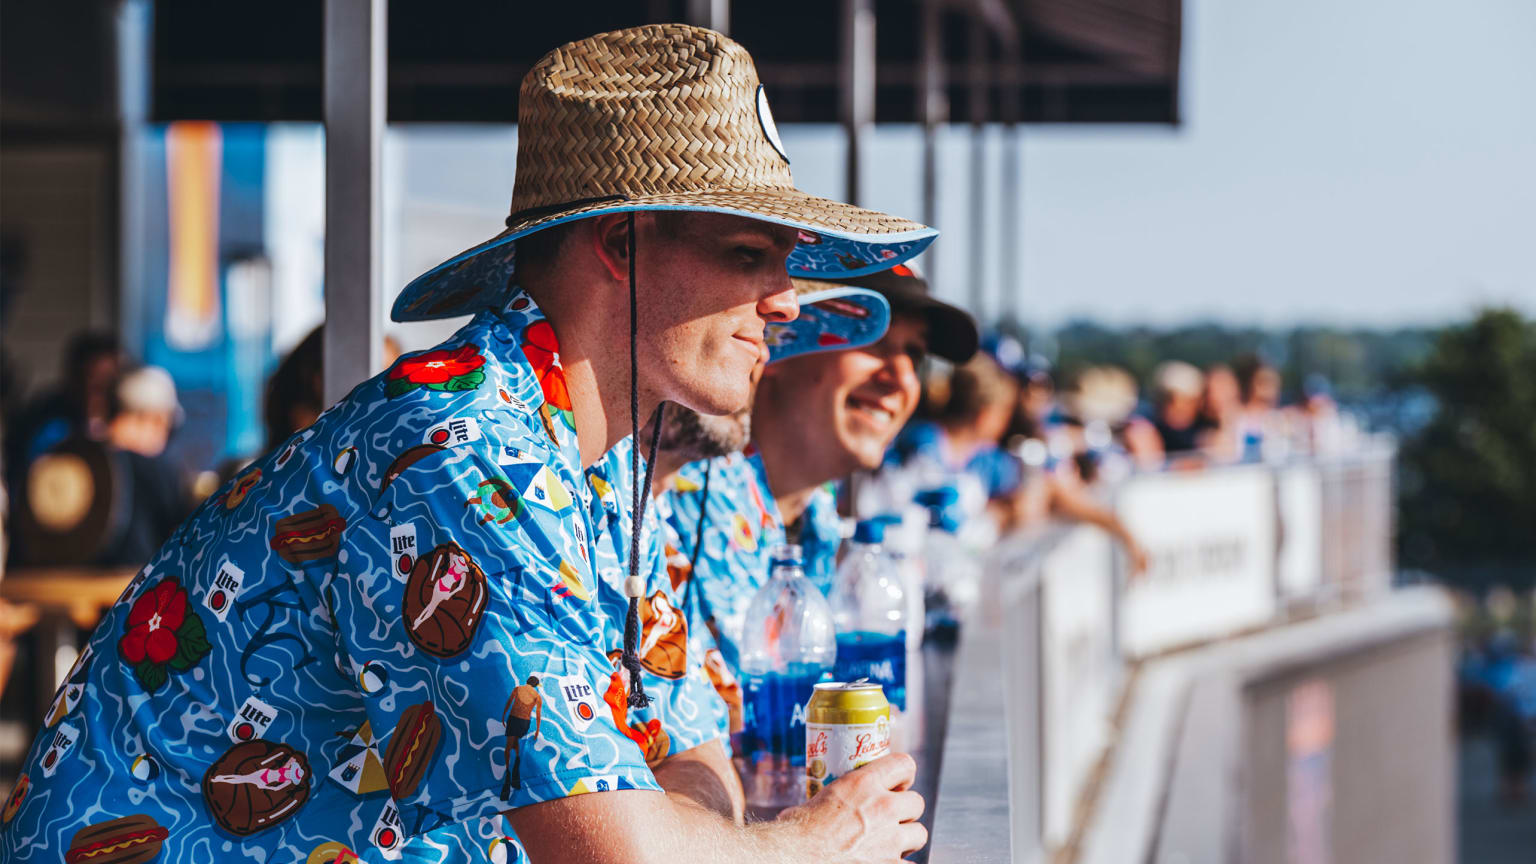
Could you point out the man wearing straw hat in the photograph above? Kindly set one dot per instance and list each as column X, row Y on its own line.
column 315, row 666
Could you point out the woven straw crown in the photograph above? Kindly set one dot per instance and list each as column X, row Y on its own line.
column 664, row 116
column 654, row 110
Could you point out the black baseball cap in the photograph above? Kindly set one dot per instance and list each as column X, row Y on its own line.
column 952, row 332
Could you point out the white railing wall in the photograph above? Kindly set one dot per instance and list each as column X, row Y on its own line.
column 1232, row 550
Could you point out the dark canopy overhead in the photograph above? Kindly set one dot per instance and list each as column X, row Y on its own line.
column 1082, row 60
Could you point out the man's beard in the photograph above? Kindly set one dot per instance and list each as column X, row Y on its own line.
column 692, row 436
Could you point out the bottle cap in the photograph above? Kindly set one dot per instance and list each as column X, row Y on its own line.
column 788, row 553
column 869, row 531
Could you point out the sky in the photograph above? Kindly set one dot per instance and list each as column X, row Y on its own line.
column 1349, row 162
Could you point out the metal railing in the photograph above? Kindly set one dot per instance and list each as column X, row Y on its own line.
column 1050, row 653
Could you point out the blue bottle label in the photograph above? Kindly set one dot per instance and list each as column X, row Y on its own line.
column 774, row 714
column 880, row 657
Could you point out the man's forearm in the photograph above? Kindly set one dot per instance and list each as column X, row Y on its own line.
column 782, row 841
column 634, row 827
column 706, row 777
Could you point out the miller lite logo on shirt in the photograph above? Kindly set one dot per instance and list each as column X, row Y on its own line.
column 459, row 430
column 402, row 548
column 579, row 697
column 386, row 833
column 64, row 739
column 226, row 587
column 252, row 720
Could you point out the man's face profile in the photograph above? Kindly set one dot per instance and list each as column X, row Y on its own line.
column 708, row 284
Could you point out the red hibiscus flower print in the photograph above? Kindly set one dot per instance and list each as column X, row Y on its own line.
column 162, row 632
column 543, row 352
column 445, row 369
column 542, row 349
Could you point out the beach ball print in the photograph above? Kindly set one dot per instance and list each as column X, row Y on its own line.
column 145, row 769
column 503, row 850
column 373, row 677
column 344, row 461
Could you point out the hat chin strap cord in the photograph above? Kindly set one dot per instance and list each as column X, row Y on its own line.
column 634, row 584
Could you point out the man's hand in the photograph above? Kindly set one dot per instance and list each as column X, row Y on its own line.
column 868, row 815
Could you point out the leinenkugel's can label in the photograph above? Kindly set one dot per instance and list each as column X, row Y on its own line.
column 846, row 725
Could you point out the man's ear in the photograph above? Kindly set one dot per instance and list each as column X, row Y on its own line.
column 608, row 235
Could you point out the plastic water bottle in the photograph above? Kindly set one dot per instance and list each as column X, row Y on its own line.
column 869, row 609
column 788, row 645
column 941, row 557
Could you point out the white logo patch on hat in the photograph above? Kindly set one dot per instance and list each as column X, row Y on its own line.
column 765, row 119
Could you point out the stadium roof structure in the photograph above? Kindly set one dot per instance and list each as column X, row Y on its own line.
column 1036, row 61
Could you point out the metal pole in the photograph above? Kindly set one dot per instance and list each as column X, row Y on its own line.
column 857, row 93
column 354, row 134
column 933, row 107
column 714, row 14
column 1010, row 188
column 133, row 25
column 978, row 99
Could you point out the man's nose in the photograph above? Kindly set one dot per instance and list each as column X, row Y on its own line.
column 780, row 306
column 900, row 371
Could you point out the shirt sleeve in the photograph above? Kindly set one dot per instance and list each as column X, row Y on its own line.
column 466, row 607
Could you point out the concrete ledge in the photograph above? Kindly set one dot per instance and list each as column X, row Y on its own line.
column 1182, row 733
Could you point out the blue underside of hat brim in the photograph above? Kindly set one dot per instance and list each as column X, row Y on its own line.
column 473, row 280
column 832, row 320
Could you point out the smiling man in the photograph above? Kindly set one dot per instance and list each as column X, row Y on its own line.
column 336, row 657
column 816, row 418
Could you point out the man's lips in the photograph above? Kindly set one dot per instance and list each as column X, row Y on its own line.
column 883, row 411
column 754, row 344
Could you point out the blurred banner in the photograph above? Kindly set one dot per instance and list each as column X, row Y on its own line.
column 1211, row 541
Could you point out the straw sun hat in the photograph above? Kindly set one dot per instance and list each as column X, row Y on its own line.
column 659, row 117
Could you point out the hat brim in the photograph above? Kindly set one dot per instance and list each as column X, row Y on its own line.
column 836, row 240
column 952, row 332
column 830, row 319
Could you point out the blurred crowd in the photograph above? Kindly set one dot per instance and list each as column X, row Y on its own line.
column 87, row 479
column 1022, row 450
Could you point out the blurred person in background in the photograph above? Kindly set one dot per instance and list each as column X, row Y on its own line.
column 1318, row 426
column 1501, row 678
column 1176, row 395
column 1258, row 385
column 144, row 412
column 79, row 404
column 1220, row 409
column 1105, row 432
column 963, row 440
column 295, row 393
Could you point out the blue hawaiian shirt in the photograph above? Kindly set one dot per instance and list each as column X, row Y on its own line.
column 742, row 525
column 685, row 707
column 368, row 646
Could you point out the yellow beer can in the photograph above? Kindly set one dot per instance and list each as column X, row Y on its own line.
column 846, row 725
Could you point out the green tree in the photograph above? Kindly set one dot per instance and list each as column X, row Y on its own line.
column 1468, row 505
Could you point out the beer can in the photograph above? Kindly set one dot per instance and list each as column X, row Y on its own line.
column 846, row 725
